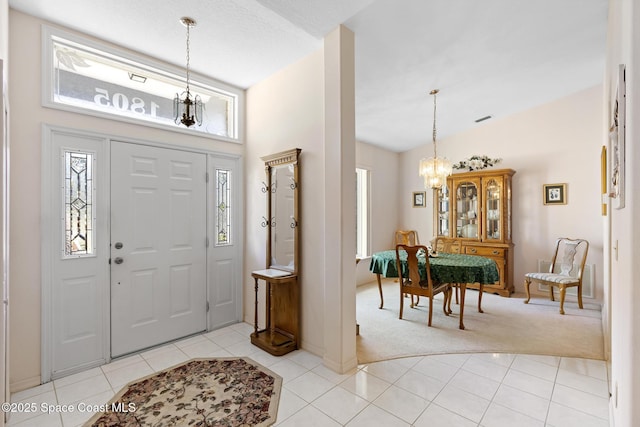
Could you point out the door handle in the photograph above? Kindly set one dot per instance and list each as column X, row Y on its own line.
column 118, row 260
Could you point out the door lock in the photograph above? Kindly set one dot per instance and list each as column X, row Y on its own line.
column 118, row 260
column 118, row 245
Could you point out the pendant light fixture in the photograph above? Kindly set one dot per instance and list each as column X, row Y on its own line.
column 435, row 170
column 187, row 109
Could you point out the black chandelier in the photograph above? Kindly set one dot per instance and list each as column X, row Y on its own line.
column 187, row 109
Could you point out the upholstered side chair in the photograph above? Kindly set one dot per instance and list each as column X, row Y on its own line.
column 567, row 267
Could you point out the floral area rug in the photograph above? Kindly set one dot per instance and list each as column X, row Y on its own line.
column 201, row 392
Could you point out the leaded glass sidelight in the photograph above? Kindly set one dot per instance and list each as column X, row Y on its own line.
column 223, row 207
column 78, row 204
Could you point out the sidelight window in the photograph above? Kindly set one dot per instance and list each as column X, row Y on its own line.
column 223, row 207
column 79, row 193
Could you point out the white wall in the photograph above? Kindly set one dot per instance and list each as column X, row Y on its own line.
column 309, row 105
column 624, row 48
column 385, row 199
column 558, row 142
column 287, row 111
column 27, row 117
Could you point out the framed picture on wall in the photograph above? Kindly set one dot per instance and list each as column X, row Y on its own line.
column 554, row 194
column 419, row 199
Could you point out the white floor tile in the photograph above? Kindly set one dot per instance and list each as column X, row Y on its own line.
column 32, row 407
column 487, row 368
column 581, row 401
column 365, row 385
column 83, row 389
column 309, row 416
column 523, row 402
column 375, row 416
column 120, row 377
column 332, row 375
column 462, row 403
column 501, row 416
column 33, row 391
column 289, row 404
column 420, row 384
column 529, row 383
column 48, row 420
column 85, row 409
column 304, row 358
column 475, row 384
column 588, row 384
column 433, row 367
column 230, row 338
column 401, row 403
column 591, row 368
column 77, row 377
column 340, row 404
column 309, row 386
column 288, row 370
column 437, row 416
column 163, row 360
column 535, row 367
column 562, row 416
column 204, row 348
column 387, row 370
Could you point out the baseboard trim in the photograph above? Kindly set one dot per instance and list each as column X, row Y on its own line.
column 24, row 384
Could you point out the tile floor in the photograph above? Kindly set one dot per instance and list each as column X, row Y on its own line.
column 456, row 390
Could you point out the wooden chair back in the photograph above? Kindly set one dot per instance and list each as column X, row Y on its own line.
column 412, row 284
column 448, row 246
column 407, row 237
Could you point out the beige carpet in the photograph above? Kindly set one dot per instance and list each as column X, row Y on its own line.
column 506, row 326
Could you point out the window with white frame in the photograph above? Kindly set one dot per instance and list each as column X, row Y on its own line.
column 85, row 77
column 362, row 212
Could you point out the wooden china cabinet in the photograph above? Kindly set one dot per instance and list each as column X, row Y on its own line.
column 474, row 209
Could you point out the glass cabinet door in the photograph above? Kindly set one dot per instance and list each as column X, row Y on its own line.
column 442, row 211
column 467, row 209
column 494, row 220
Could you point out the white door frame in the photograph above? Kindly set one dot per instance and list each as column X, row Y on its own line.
column 48, row 221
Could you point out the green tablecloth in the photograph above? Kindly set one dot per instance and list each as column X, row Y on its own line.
column 445, row 268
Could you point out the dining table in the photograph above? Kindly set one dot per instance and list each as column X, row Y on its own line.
column 455, row 269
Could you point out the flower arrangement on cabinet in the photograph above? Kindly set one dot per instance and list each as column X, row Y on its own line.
column 476, row 162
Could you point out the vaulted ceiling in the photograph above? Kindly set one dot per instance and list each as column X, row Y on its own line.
column 488, row 58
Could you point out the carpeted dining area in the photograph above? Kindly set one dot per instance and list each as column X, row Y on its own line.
column 506, row 326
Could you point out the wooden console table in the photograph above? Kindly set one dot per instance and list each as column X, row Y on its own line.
column 280, row 335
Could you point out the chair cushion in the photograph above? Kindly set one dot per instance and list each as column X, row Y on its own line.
column 552, row 277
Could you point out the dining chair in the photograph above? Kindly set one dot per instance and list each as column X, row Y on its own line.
column 412, row 284
column 448, row 246
column 567, row 266
column 407, row 237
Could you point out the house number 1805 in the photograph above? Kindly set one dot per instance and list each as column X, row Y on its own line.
column 120, row 102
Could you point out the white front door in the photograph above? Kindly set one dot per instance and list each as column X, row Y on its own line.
column 158, row 246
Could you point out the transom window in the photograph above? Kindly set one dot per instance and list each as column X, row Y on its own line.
column 92, row 79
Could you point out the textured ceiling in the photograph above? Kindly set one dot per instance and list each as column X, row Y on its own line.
column 494, row 57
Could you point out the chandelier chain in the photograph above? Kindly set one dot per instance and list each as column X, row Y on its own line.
column 435, row 153
column 188, row 25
